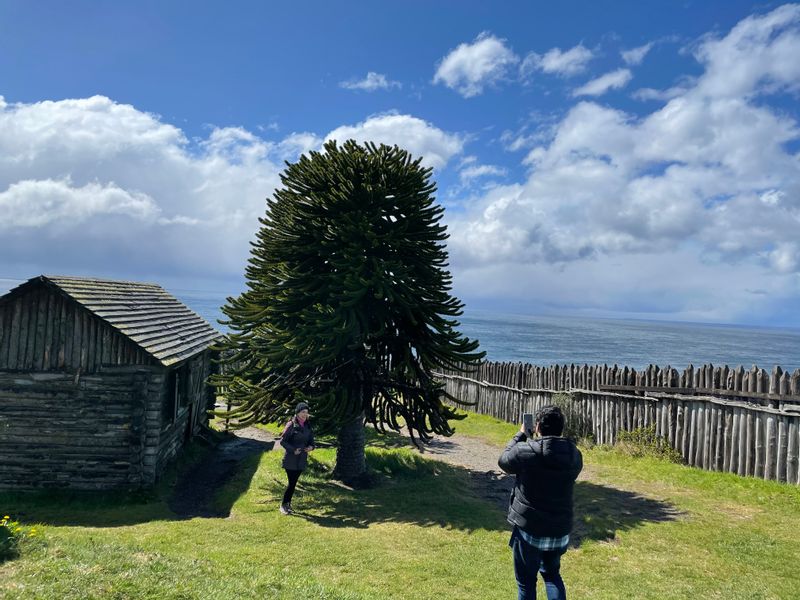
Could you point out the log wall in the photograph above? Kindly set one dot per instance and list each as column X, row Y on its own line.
column 62, row 431
column 45, row 330
column 744, row 422
column 104, row 430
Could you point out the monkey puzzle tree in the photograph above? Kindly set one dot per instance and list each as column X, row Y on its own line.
column 348, row 305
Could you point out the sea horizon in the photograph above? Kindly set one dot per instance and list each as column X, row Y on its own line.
column 563, row 338
column 546, row 339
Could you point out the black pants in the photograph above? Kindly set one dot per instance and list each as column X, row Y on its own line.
column 293, row 476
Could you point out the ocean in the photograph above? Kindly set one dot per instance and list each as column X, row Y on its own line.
column 546, row 340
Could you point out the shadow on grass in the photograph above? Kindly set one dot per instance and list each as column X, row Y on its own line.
column 199, row 491
column 603, row 511
column 409, row 489
column 430, row 493
column 204, row 482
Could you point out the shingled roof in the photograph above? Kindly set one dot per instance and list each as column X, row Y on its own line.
column 153, row 319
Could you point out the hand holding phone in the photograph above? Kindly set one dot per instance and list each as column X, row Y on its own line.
column 527, row 424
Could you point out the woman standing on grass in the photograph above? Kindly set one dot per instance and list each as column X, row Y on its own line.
column 298, row 440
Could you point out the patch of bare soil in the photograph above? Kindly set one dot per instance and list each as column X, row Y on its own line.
column 480, row 459
column 193, row 495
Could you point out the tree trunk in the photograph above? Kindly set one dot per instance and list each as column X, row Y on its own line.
column 351, row 462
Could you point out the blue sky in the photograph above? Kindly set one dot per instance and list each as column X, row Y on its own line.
column 632, row 159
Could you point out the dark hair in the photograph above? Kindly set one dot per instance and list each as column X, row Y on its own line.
column 550, row 420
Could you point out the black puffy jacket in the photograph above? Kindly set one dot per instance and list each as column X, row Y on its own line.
column 546, row 469
column 296, row 436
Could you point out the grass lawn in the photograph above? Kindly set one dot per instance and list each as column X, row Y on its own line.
column 646, row 529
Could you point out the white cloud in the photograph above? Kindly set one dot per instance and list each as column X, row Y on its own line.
column 475, row 171
column 420, row 138
column 372, row 82
column 660, row 95
column 472, row 67
column 759, row 54
column 295, row 144
column 610, row 81
column 635, row 56
column 785, row 258
column 35, row 203
column 678, row 207
column 557, row 62
column 94, row 186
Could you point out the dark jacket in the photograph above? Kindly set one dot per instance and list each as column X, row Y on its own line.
column 546, row 469
column 296, row 436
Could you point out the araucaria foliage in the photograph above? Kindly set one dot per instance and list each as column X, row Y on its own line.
column 348, row 303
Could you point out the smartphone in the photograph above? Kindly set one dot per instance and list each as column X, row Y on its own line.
column 527, row 422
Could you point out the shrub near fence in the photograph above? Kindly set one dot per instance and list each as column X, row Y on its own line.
column 718, row 418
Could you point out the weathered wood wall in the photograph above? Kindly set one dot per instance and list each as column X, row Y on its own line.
column 81, row 404
column 165, row 438
column 744, row 422
column 62, row 431
column 44, row 330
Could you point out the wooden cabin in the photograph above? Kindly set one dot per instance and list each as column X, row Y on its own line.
column 101, row 382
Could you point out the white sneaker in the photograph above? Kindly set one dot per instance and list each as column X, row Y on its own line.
column 285, row 510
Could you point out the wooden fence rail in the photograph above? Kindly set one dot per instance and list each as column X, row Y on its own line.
column 752, row 430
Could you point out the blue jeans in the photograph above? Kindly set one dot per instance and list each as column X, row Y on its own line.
column 528, row 561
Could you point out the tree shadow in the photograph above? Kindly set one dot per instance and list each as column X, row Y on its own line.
column 603, row 511
column 600, row 511
column 203, row 482
column 410, row 489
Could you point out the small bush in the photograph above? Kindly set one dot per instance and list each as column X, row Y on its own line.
column 577, row 425
column 11, row 534
column 643, row 441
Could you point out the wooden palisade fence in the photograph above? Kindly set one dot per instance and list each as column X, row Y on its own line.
column 735, row 420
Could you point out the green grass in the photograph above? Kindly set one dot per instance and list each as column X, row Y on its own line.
column 646, row 529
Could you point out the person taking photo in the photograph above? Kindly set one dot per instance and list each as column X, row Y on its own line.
column 540, row 508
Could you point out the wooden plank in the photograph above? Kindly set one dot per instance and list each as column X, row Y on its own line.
column 91, row 342
column 770, row 451
column 5, row 334
column 27, row 332
column 758, row 469
column 19, row 323
column 744, row 451
column 750, row 450
column 782, row 447
column 729, row 453
column 105, row 345
column 83, row 319
column 69, row 335
column 41, row 329
column 719, row 440
column 691, row 450
column 679, row 434
column 63, row 355
column 793, row 452
column 47, row 358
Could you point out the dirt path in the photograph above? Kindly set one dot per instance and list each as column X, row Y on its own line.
column 480, row 460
